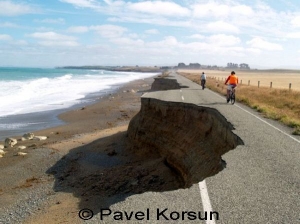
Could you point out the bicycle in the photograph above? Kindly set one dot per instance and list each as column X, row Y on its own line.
column 203, row 83
column 232, row 95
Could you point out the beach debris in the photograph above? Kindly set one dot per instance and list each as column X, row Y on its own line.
column 40, row 138
column 21, row 154
column 21, row 147
column 129, row 91
column 27, row 136
column 10, row 142
column 2, row 152
column 1, row 146
column 33, row 146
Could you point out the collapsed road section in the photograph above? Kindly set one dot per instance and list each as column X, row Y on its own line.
column 191, row 139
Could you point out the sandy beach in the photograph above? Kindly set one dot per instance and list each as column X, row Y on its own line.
column 62, row 174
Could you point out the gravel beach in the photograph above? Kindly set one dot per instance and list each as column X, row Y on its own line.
column 32, row 188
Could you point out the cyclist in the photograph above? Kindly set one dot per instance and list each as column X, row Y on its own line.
column 233, row 81
column 203, row 80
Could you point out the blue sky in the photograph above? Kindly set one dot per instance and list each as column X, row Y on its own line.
column 48, row 33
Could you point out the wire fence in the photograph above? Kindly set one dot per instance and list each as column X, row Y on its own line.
column 254, row 83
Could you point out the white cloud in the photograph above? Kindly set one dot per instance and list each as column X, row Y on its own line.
column 221, row 27
column 171, row 40
column 159, row 8
column 51, row 36
column 82, row 3
column 293, row 35
column 152, row 31
column 5, row 37
column 54, row 39
column 253, row 50
column 167, row 42
column 108, row 2
column 259, row 43
column 197, row 46
column 127, row 42
column 8, row 24
column 21, row 42
column 210, row 9
column 214, row 9
column 109, row 31
column 52, row 21
column 106, row 31
column 78, row 29
column 133, row 35
column 296, row 21
column 153, row 20
column 9, row 8
column 241, row 10
column 64, row 43
column 224, row 40
column 196, row 36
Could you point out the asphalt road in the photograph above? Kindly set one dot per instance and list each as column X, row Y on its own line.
column 261, row 183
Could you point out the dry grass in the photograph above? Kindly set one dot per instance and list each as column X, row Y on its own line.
column 278, row 104
column 280, row 78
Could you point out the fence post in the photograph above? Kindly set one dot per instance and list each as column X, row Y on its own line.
column 290, row 86
column 248, row 82
column 271, row 84
column 258, row 83
column 241, row 81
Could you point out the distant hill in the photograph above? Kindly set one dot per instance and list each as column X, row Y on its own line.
column 117, row 68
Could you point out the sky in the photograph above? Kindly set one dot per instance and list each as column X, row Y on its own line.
column 50, row 33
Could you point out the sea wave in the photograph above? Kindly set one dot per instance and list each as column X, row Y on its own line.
column 50, row 92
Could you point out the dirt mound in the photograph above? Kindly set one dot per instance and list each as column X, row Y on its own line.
column 190, row 139
column 162, row 83
column 167, row 146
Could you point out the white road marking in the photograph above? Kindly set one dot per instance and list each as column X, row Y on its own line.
column 182, row 98
column 206, row 202
column 202, row 185
column 269, row 124
column 264, row 121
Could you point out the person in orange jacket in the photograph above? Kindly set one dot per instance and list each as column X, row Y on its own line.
column 232, row 83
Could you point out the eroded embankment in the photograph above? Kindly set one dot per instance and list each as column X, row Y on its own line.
column 161, row 83
column 190, row 138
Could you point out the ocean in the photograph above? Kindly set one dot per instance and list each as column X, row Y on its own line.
column 31, row 98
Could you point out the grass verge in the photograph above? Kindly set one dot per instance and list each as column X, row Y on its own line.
column 276, row 104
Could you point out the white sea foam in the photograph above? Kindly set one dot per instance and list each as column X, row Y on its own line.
column 43, row 94
column 15, row 126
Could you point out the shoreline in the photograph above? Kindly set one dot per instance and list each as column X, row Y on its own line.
column 37, row 121
column 28, row 190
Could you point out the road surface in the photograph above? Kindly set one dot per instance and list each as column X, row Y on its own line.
column 261, row 183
